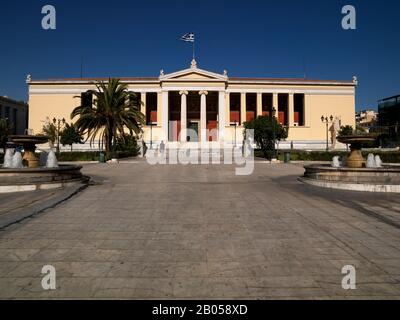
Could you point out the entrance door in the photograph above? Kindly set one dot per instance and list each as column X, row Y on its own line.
column 193, row 132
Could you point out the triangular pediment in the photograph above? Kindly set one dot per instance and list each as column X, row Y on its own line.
column 193, row 74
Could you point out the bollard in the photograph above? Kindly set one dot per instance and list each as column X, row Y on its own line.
column 102, row 158
column 287, row 157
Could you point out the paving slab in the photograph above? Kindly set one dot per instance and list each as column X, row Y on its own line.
column 201, row 232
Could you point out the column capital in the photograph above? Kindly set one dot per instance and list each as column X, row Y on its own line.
column 203, row 92
column 183, row 92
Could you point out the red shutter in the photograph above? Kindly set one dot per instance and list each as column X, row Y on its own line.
column 249, row 116
column 296, row 117
column 235, row 116
column 281, row 117
column 153, row 116
column 212, row 132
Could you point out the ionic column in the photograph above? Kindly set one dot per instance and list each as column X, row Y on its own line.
column 291, row 110
column 143, row 100
column 259, row 104
column 243, row 109
column 228, row 109
column 165, row 115
column 221, row 115
column 203, row 116
column 275, row 104
column 183, row 115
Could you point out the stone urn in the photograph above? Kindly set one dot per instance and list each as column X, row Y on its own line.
column 29, row 144
column 355, row 159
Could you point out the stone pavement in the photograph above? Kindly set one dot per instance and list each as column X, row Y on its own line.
column 202, row 232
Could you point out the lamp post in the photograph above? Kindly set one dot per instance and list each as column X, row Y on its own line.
column 274, row 131
column 327, row 121
column 58, row 123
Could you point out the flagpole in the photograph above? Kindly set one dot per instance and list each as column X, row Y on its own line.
column 194, row 57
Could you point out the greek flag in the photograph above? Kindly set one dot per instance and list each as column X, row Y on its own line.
column 188, row 37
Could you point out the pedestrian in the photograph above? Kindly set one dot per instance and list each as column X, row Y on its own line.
column 162, row 147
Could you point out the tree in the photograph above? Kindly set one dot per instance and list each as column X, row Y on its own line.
column 70, row 135
column 114, row 110
column 127, row 144
column 346, row 131
column 265, row 129
column 49, row 129
column 5, row 131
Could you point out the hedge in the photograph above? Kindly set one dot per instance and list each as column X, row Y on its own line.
column 83, row 156
column 299, row 155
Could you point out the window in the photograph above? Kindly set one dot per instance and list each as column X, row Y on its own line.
column 151, row 107
column 7, row 113
column 251, row 106
column 234, row 102
column 299, row 118
column 267, row 101
column 283, row 106
column 15, row 121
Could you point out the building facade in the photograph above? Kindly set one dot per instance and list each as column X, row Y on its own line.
column 366, row 119
column 389, row 115
column 16, row 114
column 196, row 105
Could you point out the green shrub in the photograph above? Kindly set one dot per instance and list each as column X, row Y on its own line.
column 127, row 145
column 299, row 155
column 90, row 155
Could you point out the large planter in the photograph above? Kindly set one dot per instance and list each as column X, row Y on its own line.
column 355, row 159
column 29, row 143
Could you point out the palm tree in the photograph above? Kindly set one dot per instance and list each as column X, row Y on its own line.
column 114, row 110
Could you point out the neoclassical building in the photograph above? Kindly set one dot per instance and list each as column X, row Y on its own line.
column 213, row 106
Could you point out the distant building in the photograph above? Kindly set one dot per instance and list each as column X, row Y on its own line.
column 389, row 114
column 16, row 113
column 366, row 119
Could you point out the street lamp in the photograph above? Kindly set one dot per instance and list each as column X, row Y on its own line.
column 236, row 124
column 327, row 121
column 274, row 131
column 58, row 123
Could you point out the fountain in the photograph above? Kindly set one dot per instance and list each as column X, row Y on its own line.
column 17, row 161
column 29, row 144
column 356, row 173
column 355, row 159
column 51, row 161
column 378, row 161
column 336, row 162
column 371, row 161
column 28, row 173
column 8, row 159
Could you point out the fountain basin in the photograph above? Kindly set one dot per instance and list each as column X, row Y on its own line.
column 385, row 179
column 29, row 143
column 31, row 179
column 355, row 159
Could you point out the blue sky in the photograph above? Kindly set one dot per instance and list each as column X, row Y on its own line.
column 248, row 38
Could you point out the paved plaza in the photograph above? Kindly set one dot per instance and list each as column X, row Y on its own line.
column 197, row 232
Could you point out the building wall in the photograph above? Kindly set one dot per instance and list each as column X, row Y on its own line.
column 50, row 106
column 20, row 123
column 49, row 100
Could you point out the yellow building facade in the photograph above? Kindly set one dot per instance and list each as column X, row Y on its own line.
column 197, row 105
